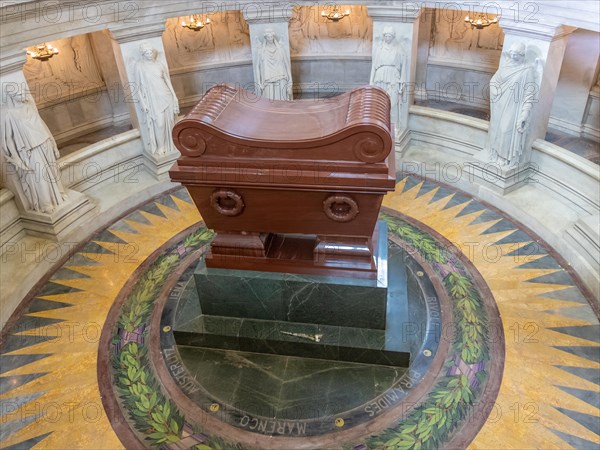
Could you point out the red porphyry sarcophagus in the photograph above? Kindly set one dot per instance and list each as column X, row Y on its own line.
column 289, row 186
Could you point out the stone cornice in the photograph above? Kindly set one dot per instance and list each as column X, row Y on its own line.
column 12, row 61
column 536, row 30
column 138, row 32
column 407, row 12
column 267, row 13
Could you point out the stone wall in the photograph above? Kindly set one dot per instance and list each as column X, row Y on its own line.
column 79, row 91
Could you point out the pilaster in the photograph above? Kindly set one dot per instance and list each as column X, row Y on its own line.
column 126, row 44
column 544, row 51
column 267, row 17
column 404, row 19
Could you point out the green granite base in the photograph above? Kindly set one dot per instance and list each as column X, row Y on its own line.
column 307, row 316
column 323, row 300
column 292, row 339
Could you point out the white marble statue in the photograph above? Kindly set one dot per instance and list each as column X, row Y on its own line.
column 30, row 152
column 272, row 72
column 387, row 70
column 157, row 100
column 513, row 91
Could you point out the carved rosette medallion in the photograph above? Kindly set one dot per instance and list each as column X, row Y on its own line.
column 340, row 208
column 227, row 202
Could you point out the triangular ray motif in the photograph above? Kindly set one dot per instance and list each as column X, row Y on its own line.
column 457, row 199
column 11, row 427
column 29, row 443
column 7, row 413
column 472, row 207
column 592, row 375
column 426, row 187
column 108, row 236
column 590, row 332
column 18, row 342
column 55, row 288
column 182, row 194
column 93, row 247
column 167, row 201
column 487, row 216
column 591, row 397
column 441, row 193
column 12, row 362
column 592, row 423
column 515, row 237
column 78, row 259
column 582, row 313
column 571, row 294
column 64, row 273
column 503, row 225
column 122, row 227
column 410, row 183
column 575, row 442
column 152, row 208
column 589, row 353
column 137, row 217
column 45, row 356
column 11, row 382
column 31, row 322
column 530, row 249
column 545, row 262
column 558, row 277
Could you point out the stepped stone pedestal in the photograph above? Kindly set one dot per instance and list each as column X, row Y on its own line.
column 323, row 317
column 298, row 266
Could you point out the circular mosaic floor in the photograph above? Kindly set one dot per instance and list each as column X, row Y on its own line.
column 92, row 363
column 268, row 401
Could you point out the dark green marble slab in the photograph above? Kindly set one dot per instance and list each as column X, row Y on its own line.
column 292, row 339
column 325, row 300
column 290, row 297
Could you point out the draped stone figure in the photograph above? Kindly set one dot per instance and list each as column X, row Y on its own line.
column 386, row 70
column 30, row 152
column 514, row 86
column 272, row 72
column 157, row 99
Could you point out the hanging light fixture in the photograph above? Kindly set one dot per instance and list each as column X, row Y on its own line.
column 42, row 52
column 196, row 23
column 481, row 21
column 334, row 13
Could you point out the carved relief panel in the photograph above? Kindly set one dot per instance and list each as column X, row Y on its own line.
column 311, row 34
column 72, row 71
column 227, row 38
column 454, row 39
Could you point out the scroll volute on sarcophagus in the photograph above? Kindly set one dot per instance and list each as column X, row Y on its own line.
column 292, row 186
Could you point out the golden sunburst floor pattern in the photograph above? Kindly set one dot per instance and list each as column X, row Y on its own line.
column 549, row 396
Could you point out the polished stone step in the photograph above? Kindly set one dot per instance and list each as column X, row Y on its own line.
column 292, row 297
column 292, row 339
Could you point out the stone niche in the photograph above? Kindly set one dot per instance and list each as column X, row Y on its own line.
column 78, row 91
column 226, row 39
column 461, row 60
column 199, row 60
column 329, row 57
column 312, row 35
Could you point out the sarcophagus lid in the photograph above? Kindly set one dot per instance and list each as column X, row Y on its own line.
column 347, row 137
